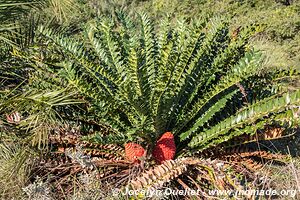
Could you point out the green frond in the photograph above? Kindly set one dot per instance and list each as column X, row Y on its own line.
column 189, row 64
column 246, row 67
column 79, row 53
column 147, row 51
column 194, row 59
column 110, row 83
column 113, row 53
column 175, row 39
column 206, row 116
column 244, row 117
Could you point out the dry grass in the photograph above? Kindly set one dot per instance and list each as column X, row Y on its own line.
column 285, row 177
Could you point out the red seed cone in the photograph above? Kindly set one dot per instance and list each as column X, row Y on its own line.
column 134, row 151
column 165, row 148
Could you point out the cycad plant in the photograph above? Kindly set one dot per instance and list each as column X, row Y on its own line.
column 194, row 79
column 143, row 80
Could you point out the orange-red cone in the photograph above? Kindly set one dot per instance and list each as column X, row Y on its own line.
column 165, row 148
column 134, row 151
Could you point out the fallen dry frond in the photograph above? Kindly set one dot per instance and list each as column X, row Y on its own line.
column 158, row 175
